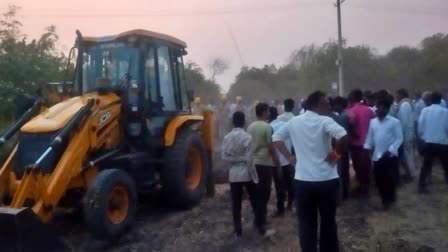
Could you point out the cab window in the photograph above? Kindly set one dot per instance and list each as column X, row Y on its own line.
column 151, row 91
column 185, row 105
column 166, row 81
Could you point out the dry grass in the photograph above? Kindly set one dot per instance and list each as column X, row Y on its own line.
column 416, row 223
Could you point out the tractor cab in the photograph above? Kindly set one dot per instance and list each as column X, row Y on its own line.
column 145, row 68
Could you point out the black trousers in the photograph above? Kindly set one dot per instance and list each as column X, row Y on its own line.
column 284, row 184
column 344, row 174
column 236, row 191
column 362, row 165
column 313, row 199
column 263, row 193
column 430, row 152
column 419, row 141
column 385, row 171
column 288, row 176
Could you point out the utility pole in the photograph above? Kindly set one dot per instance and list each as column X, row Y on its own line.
column 340, row 61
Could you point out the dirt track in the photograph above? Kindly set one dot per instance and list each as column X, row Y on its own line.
column 416, row 223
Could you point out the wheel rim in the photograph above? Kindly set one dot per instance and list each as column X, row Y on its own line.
column 194, row 177
column 118, row 204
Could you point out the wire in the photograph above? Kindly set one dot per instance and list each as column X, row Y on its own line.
column 290, row 6
column 148, row 13
column 259, row 6
column 409, row 11
column 235, row 43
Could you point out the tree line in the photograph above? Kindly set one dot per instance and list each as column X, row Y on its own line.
column 314, row 67
column 26, row 65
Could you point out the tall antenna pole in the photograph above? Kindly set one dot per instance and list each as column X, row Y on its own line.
column 340, row 61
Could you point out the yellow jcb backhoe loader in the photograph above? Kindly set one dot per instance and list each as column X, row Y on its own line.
column 128, row 128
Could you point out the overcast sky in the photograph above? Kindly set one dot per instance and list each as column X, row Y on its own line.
column 265, row 31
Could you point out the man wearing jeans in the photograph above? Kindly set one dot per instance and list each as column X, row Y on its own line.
column 316, row 176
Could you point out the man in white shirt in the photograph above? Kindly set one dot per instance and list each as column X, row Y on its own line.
column 316, row 176
column 422, row 103
column 283, row 177
column 237, row 151
column 384, row 139
column 405, row 114
column 433, row 130
column 289, row 107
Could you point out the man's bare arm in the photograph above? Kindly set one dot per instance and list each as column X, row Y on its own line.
column 339, row 149
column 273, row 153
column 280, row 145
column 341, row 145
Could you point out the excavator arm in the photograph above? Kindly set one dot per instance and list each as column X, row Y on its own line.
column 38, row 194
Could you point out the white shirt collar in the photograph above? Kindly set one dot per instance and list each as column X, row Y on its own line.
column 309, row 112
column 385, row 118
column 238, row 129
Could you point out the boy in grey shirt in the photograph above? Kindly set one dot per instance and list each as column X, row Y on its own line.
column 237, row 151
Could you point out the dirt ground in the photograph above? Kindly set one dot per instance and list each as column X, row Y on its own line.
column 416, row 223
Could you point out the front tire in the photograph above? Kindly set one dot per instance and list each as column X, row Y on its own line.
column 110, row 204
column 185, row 169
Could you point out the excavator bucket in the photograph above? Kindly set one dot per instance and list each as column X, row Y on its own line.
column 22, row 231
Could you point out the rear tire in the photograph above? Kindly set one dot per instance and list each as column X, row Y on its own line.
column 185, row 169
column 110, row 204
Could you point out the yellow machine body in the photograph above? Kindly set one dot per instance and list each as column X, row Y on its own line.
column 83, row 131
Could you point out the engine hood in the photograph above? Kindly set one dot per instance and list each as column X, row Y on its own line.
column 56, row 117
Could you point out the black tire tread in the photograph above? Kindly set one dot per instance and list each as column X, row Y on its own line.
column 174, row 190
column 94, row 203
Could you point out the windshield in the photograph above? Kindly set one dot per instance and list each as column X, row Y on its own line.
column 108, row 65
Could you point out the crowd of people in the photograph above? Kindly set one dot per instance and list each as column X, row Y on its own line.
column 306, row 151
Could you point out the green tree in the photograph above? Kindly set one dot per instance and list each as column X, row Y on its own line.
column 25, row 66
column 432, row 67
column 314, row 67
column 401, row 63
column 256, row 83
column 208, row 90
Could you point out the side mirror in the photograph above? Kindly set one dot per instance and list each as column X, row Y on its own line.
column 190, row 94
